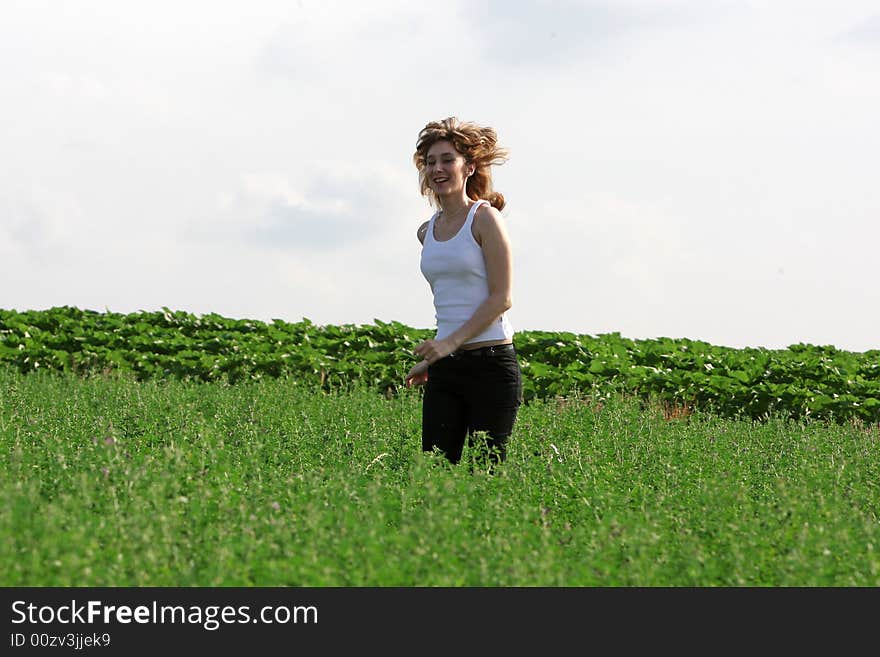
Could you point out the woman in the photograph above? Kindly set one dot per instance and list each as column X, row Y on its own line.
column 470, row 369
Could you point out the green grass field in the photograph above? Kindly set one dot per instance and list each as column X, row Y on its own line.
column 111, row 482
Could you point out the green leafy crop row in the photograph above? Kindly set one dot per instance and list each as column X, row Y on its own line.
column 801, row 381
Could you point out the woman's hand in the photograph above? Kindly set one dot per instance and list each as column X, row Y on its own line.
column 418, row 375
column 431, row 351
column 434, row 350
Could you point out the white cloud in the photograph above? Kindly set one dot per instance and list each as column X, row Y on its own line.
column 866, row 31
column 535, row 36
column 332, row 206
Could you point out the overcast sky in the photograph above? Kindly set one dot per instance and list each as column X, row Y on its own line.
column 687, row 169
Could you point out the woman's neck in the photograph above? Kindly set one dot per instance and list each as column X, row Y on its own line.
column 454, row 205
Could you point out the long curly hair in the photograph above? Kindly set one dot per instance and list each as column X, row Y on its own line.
column 479, row 146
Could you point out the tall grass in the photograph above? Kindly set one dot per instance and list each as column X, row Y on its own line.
column 111, row 482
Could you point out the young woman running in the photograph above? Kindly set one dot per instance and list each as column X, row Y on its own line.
column 470, row 369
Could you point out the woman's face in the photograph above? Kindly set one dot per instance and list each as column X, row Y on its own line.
column 446, row 169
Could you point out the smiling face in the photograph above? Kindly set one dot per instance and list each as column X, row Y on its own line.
column 446, row 169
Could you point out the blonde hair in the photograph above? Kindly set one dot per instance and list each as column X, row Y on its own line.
column 479, row 146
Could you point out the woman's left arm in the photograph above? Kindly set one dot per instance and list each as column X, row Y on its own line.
column 492, row 236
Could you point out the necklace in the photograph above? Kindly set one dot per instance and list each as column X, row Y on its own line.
column 447, row 219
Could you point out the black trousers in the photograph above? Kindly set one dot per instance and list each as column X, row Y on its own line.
column 468, row 392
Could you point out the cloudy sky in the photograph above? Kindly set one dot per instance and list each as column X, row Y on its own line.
column 693, row 168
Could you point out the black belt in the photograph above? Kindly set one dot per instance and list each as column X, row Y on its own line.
column 482, row 351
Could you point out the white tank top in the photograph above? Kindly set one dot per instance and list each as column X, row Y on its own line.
column 456, row 271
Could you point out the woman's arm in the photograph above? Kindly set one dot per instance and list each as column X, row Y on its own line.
column 492, row 236
column 418, row 375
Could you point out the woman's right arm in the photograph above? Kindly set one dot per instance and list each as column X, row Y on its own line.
column 418, row 375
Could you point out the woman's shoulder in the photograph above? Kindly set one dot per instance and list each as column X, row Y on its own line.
column 488, row 220
column 422, row 231
column 487, row 216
